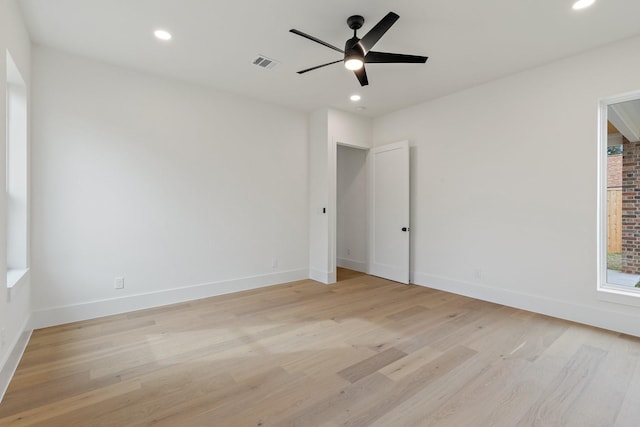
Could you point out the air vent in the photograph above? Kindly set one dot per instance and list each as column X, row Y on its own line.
column 265, row 63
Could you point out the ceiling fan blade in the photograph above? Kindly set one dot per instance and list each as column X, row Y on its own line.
column 307, row 36
column 361, row 74
column 378, row 31
column 319, row 66
column 386, row 57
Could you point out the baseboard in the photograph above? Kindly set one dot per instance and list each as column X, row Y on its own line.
column 11, row 363
column 352, row 264
column 72, row 313
column 593, row 316
column 321, row 276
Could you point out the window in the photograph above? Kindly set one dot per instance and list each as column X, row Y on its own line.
column 619, row 195
column 16, row 170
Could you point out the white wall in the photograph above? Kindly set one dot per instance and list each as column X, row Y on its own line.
column 184, row 191
column 350, row 129
column 14, row 304
column 328, row 127
column 318, row 196
column 504, row 186
column 351, row 212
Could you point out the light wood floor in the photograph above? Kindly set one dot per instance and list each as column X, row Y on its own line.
column 362, row 352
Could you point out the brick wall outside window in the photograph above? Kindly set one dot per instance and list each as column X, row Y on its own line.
column 631, row 207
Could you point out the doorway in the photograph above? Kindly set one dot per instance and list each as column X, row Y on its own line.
column 351, row 208
column 372, row 210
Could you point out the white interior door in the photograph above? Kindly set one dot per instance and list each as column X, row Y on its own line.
column 389, row 210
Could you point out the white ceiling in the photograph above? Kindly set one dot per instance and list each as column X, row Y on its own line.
column 214, row 42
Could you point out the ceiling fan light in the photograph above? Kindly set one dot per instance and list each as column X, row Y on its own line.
column 353, row 64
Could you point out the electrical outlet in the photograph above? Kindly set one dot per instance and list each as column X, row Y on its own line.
column 348, row 251
column 477, row 274
column 274, row 263
column 118, row 283
column 3, row 338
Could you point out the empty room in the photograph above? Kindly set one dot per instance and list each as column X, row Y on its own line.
column 294, row 213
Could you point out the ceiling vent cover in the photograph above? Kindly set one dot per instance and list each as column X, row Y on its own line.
column 265, row 63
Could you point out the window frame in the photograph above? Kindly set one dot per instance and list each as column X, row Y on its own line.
column 609, row 291
column 17, row 244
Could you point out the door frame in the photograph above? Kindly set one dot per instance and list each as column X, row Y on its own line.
column 332, row 206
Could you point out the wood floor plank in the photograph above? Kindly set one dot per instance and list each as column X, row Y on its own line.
column 466, row 405
column 66, row 405
column 388, row 411
column 613, row 378
column 362, row 352
column 563, row 393
column 408, row 313
column 339, row 403
column 370, row 365
column 629, row 412
column 406, row 366
column 521, row 391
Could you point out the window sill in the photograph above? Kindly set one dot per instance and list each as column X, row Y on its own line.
column 619, row 295
column 15, row 278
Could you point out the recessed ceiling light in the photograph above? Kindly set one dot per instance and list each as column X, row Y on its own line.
column 354, row 98
column 162, row 34
column 582, row 4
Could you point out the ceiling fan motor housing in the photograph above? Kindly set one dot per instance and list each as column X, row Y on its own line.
column 353, row 49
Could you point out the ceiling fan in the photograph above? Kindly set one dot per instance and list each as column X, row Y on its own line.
column 358, row 51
